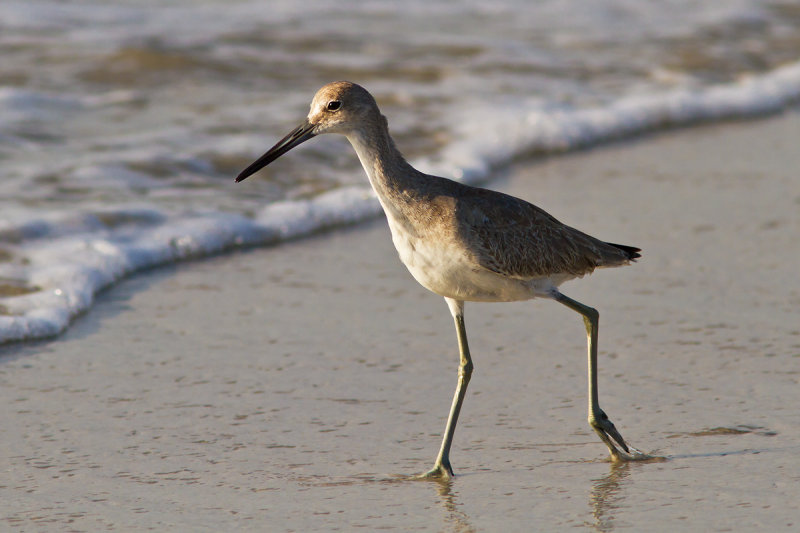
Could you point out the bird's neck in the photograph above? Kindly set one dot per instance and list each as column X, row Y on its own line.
column 389, row 173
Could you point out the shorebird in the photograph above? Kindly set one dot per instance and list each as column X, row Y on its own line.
column 464, row 243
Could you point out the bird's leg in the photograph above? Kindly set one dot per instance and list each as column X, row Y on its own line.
column 442, row 468
column 597, row 418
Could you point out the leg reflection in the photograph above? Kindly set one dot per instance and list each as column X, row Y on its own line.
column 607, row 495
column 454, row 518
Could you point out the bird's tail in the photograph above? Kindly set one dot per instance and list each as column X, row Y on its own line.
column 631, row 251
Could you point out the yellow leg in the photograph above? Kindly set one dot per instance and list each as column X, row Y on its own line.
column 442, row 468
column 599, row 421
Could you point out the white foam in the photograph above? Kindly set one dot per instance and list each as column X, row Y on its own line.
column 65, row 259
column 491, row 137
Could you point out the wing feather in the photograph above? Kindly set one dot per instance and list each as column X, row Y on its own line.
column 515, row 238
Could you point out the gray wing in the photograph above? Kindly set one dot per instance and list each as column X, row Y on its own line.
column 515, row 238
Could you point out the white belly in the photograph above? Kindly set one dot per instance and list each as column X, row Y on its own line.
column 446, row 269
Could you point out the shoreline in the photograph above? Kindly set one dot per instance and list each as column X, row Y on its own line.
column 289, row 386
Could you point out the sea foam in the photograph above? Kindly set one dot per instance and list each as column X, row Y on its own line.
column 53, row 267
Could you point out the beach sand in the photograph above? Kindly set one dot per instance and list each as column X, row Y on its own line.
column 292, row 388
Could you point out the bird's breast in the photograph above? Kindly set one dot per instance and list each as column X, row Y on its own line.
column 443, row 265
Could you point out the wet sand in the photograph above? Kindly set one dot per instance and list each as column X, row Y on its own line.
column 291, row 388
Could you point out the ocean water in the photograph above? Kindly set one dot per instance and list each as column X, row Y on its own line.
column 122, row 124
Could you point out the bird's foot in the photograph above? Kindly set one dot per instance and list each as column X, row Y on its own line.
column 620, row 451
column 441, row 470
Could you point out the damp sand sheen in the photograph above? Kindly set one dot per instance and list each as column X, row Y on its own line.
column 258, row 390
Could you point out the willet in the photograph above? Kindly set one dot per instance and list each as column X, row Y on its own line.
column 464, row 243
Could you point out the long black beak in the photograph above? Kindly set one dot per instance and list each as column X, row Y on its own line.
column 299, row 135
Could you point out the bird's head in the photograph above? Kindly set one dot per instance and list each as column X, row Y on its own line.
column 338, row 107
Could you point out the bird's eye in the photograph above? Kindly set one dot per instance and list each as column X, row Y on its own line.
column 333, row 105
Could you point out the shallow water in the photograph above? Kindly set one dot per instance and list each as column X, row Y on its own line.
column 141, row 102
column 122, row 124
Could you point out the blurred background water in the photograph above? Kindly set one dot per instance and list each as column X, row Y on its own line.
column 123, row 123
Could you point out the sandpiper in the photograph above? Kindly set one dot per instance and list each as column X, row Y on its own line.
column 464, row 243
